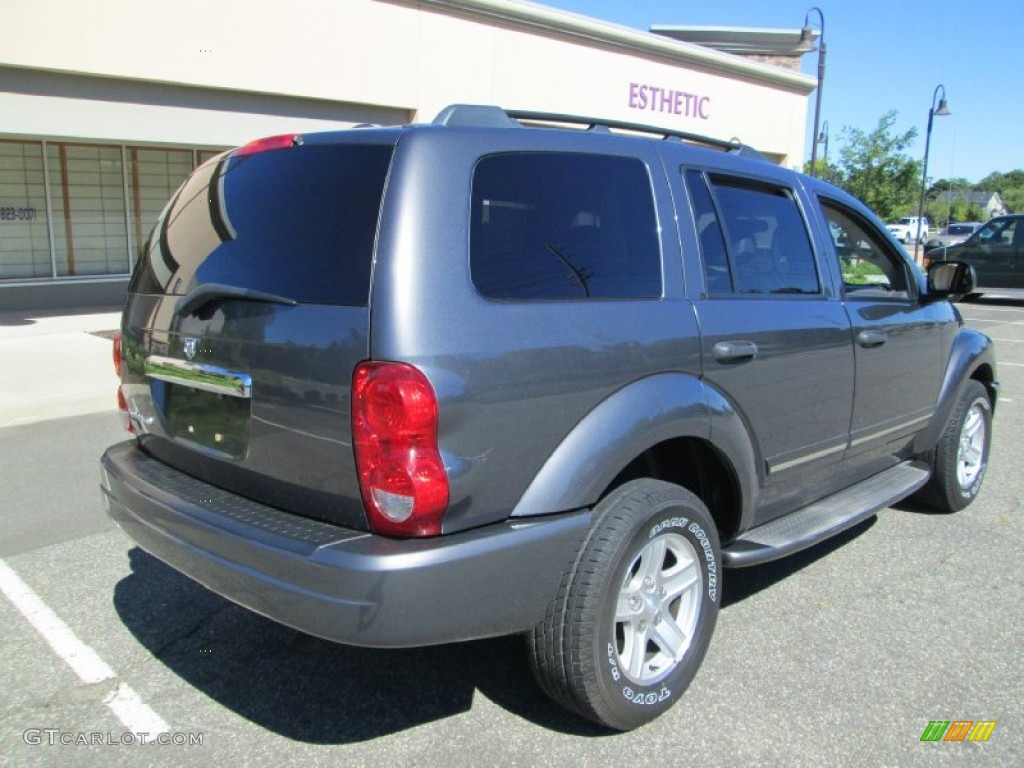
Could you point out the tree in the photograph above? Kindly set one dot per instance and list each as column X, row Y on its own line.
column 946, row 201
column 957, row 184
column 825, row 171
column 875, row 168
column 1010, row 187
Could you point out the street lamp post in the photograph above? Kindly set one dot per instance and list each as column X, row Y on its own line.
column 805, row 37
column 823, row 139
column 941, row 111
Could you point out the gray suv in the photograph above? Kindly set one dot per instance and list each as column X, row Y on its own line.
column 413, row 385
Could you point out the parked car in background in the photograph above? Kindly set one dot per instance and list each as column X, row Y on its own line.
column 906, row 230
column 953, row 234
column 996, row 251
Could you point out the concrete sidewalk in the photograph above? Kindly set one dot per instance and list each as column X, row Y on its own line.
column 52, row 365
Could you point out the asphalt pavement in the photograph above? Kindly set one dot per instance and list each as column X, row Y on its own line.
column 839, row 655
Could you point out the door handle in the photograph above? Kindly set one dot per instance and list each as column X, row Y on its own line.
column 734, row 351
column 872, row 338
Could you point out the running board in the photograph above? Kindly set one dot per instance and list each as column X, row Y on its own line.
column 833, row 514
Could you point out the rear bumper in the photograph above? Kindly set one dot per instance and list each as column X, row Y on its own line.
column 343, row 585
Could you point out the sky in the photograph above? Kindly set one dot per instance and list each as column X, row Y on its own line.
column 884, row 55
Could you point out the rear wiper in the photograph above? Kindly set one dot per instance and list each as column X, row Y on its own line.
column 204, row 294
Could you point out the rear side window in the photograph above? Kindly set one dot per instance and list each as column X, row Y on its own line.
column 297, row 222
column 753, row 237
column 563, row 226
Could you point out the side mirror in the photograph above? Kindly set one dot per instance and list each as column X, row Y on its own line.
column 951, row 280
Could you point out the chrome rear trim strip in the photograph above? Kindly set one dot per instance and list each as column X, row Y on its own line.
column 211, row 378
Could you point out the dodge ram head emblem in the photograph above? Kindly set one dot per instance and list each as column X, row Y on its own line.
column 190, row 347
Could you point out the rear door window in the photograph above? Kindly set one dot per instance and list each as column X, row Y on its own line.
column 564, row 226
column 753, row 237
column 297, row 222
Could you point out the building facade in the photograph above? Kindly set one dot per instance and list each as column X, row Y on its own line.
column 105, row 107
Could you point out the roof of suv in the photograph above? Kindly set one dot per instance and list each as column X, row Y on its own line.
column 492, row 117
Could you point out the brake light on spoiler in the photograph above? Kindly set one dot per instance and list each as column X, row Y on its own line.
column 283, row 141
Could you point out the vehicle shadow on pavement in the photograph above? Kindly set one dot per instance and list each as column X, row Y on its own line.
column 741, row 583
column 320, row 692
column 313, row 690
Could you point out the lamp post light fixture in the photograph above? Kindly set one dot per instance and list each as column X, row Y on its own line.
column 805, row 39
column 941, row 111
column 823, row 139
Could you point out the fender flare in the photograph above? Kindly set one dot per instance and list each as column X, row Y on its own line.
column 969, row 352
column 627, row 423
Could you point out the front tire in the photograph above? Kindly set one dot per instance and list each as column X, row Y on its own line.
column 633, row 618
column 961, row 457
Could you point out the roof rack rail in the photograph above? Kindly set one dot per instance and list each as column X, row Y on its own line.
column 733, row 146
column 486, row 116
column 475, row 116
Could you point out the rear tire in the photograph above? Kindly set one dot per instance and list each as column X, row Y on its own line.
column 633, row 618
column 961, row 457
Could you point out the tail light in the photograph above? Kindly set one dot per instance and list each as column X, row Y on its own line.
column 402, row 477
column 122, row 402
column 117, row 354
column 123, row 412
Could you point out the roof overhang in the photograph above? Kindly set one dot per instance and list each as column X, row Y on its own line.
column 743, row 40
column 539, row 17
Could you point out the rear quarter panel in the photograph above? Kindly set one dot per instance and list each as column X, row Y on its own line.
column 513, row 378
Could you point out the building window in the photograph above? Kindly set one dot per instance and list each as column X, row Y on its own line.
column 153, row 176
column 103, row 200
column 87, row 201
column 24, row 240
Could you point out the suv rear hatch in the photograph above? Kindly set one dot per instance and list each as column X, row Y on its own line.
column 247, row 313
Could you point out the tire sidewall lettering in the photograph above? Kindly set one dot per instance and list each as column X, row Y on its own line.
column 968, row 493
column 643, row 698
column 704, row 547
column 661, row 693
column 672, row 522
column 972, row 490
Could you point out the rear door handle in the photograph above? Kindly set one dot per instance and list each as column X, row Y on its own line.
column 872, row 338
column 734, row 351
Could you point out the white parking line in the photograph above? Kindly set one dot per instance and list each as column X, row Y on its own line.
column 977, row 308
column 133, row 713
column 1001, row 363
